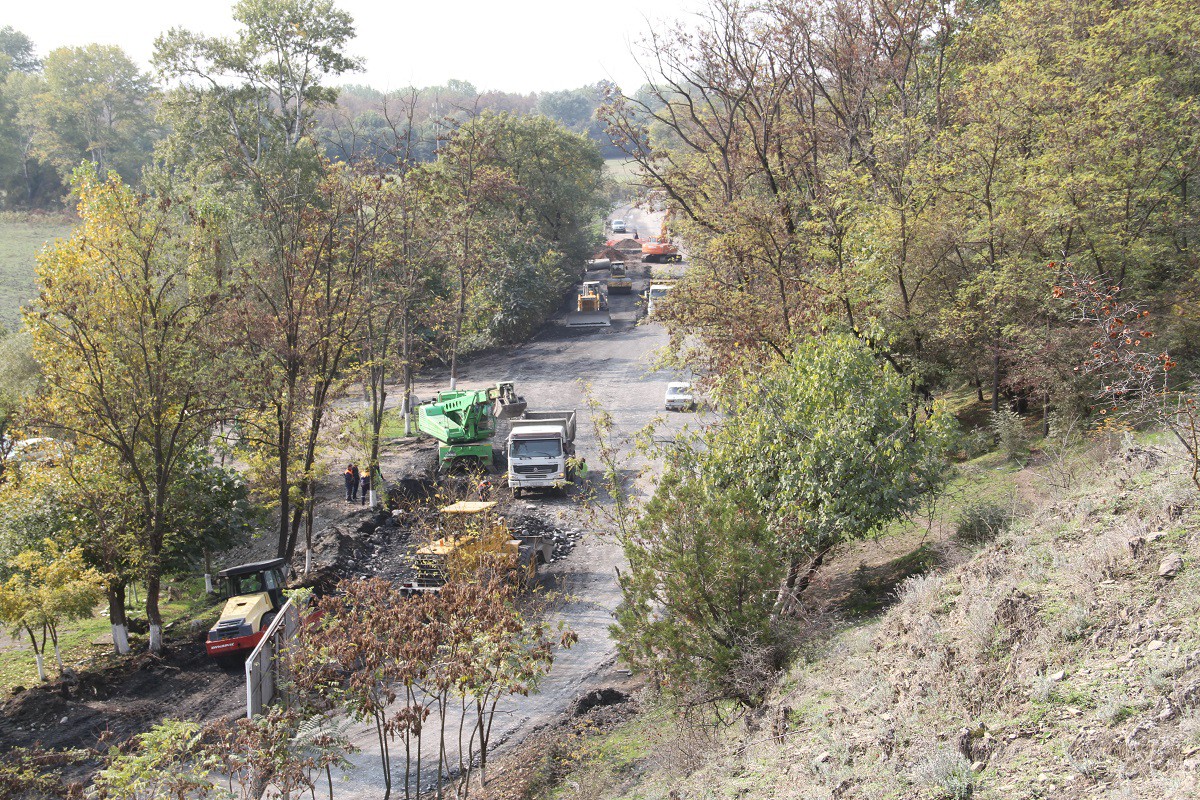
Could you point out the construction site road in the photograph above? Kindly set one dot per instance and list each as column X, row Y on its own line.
column 559, row 369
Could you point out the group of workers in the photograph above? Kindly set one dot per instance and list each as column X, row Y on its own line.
column 357, row 484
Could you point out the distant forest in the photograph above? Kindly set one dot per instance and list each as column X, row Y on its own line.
column 93, row 103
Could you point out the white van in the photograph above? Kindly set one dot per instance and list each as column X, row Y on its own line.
column 654, row 295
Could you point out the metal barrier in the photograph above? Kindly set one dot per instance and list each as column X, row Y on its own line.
column 267, row 668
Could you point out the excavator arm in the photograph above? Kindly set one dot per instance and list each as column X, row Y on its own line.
column 461, row 419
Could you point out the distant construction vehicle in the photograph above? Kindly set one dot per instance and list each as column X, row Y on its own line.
column 619, row 281
column 463, row 422
column 662, row 250
column 591, row 308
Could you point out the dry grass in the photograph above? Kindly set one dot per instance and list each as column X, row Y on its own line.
column 1052, row 662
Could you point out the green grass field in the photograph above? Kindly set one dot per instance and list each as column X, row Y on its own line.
column 622, row 171
column 21, row 237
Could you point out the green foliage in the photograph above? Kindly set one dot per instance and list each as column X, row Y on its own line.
column 834, row 443
column 166, row 761
column 922, row 198
column 19, row 49
column 704, row 571
column 824, row 448
column 247, row 103
column 47, row 587
column 1009, row 430
column 92, row 104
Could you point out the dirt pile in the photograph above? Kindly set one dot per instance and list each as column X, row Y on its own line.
column 109, row 705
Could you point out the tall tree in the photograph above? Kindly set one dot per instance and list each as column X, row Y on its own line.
column 19, row 49
column 94, row 104
column 242, row 119
column 123, row 326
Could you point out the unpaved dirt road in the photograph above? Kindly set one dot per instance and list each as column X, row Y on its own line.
column 555, row 371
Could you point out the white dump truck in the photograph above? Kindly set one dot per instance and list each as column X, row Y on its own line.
column 539, row 444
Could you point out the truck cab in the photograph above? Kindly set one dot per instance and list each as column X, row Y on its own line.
column 539, row 447
column 655, row 295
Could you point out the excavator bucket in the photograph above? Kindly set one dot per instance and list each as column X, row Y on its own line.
column 509, row 408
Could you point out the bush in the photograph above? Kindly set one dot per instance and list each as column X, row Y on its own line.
column 982, row 522
column 976, row 443
column 1010, row 433
column 948, row 775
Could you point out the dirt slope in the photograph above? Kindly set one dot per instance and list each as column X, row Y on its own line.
column 1059, row 660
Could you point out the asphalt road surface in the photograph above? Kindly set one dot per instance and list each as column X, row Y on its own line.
column 557, row 370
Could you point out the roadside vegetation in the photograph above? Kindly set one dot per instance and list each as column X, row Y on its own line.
column 1047, row 653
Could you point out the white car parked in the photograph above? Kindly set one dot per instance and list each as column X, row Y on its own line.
column 679, row 397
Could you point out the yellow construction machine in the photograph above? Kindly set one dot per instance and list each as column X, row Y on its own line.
column 472, row 539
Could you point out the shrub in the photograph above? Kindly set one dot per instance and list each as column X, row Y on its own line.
column 1010, row 433
column 982, row 522
column 948, row 775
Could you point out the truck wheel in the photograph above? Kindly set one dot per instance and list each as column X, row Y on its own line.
column 516, row 492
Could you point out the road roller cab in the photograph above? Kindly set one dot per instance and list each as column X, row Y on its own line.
column 254, row 595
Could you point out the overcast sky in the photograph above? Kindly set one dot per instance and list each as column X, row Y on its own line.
column 516, row 46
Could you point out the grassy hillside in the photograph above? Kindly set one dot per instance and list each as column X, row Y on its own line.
column 1033, row 651
column 21, row 237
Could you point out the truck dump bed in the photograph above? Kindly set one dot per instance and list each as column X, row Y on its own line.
column 540, row 418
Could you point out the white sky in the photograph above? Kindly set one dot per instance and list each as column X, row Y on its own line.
column 509, row 45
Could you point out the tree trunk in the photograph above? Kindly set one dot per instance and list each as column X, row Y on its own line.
column 285, row 453
column 37, row 653
column 116, row 617
column 153, row 614
column 57, row 649
column 797, row 581
column 996, row 379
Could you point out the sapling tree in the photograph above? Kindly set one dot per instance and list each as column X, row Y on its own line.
column 429, row 671
column 48, row 587
column 167, row 761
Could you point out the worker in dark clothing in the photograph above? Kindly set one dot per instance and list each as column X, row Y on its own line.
column 364, row 486
column 351, row 478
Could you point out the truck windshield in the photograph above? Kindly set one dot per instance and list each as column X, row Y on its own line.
column 536, row 448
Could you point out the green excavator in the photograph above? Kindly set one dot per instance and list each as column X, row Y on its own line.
column 463, row 421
